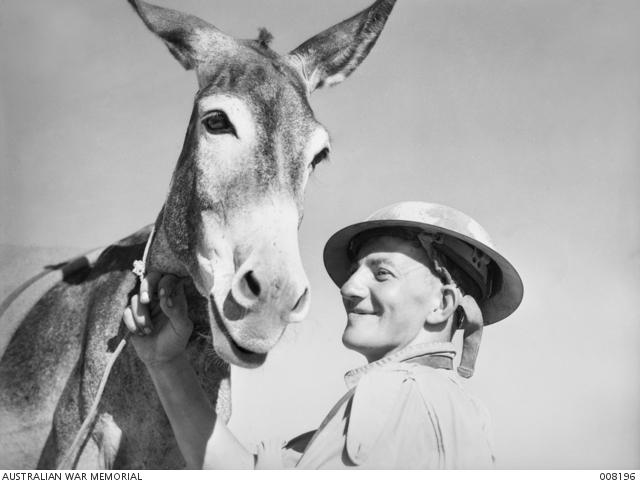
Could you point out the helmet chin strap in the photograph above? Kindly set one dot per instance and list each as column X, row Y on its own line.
column 472, row 322
column 472, row 326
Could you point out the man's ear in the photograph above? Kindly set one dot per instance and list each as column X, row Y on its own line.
column 448, row 304
column 189, row 38
column 329, row 57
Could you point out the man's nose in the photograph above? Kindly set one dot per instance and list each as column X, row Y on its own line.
column 353, row 288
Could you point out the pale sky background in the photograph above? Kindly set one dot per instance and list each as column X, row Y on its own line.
column 524, row 114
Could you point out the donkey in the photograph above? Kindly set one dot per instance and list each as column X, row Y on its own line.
column 229, row 223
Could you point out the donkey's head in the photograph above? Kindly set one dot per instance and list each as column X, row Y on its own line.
column 230, row 219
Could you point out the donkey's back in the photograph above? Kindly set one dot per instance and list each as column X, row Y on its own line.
column 52, row 366
column 37, row 359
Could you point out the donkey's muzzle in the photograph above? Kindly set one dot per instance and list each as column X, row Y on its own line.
column 282, row 288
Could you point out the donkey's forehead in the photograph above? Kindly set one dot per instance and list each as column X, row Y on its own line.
column 255, row 73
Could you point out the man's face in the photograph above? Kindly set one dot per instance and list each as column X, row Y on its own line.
column 388, row 296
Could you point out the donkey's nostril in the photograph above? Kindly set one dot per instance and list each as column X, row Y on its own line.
column 252, row 282
column 300, row 300
column 299, row 310
column 246, row 288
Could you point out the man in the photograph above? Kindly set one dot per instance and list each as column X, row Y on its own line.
column 410, row 276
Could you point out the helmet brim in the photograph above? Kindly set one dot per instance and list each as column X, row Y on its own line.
column 503, row 301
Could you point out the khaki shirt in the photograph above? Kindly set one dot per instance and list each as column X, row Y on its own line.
column 400, row 414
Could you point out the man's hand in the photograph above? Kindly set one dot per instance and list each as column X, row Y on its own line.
column 160, row 331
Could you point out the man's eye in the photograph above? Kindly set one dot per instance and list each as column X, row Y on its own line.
column 217, row 122
column 382, row 273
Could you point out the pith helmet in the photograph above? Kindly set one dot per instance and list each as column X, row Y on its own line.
column 458, row 236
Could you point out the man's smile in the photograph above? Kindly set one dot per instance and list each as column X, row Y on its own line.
column 357, row 310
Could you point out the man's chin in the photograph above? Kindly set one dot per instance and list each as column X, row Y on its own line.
column 350, row 342
column 370, row 348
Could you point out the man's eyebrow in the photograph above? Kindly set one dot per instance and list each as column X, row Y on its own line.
column 379, row 260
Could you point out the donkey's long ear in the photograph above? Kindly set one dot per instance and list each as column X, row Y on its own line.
column 329, row 57
column 188, row 38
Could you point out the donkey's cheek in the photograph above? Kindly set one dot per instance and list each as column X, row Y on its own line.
column 214, row 255
column 176, row 214
column 226, row 166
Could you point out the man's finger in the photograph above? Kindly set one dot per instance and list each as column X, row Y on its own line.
column 148, row 287
column 181, row 284
column 127, row 317
column 167, row 288
column 141, row 315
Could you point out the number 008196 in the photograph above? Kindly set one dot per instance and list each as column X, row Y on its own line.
column 617, row 476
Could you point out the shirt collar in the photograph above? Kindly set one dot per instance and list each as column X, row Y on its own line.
column 352, row 377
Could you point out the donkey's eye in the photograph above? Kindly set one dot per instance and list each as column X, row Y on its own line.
column 217, row 122
column 320, row 157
